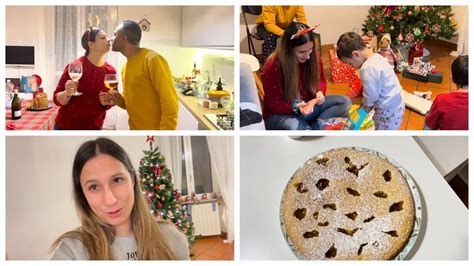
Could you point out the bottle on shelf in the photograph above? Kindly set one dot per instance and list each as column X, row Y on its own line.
column 193, row 73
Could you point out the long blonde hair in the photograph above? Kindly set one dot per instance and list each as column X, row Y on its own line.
column 289, row 66
column 98, row 236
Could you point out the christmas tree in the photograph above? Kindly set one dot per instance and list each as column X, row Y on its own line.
column 158, row 188
column 411, row 23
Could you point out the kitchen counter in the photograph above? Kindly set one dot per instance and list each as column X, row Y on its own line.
column 197, row 111
column 267, row 163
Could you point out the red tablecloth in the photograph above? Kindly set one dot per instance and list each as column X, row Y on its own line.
column 32, row 120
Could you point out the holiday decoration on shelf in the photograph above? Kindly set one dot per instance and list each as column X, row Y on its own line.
column 415, row 23
column 158, row 189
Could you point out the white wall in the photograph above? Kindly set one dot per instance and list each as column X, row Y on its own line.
column 25, row 26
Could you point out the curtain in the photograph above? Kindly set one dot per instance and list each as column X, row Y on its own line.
column 221, row 150
column 67, row 40
column 170, row 147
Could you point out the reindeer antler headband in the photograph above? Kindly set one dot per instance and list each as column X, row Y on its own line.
column 303, row 31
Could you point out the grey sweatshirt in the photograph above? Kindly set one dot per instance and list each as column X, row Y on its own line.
column 124, row 248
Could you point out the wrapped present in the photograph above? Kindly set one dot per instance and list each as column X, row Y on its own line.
column 340, row 71
column 359, row 119
column 344, row 73
column 422, row 70
column 416, row 50
column 431, row 77
column 356, row 89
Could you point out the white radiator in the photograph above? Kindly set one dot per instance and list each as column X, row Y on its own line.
column 205, row 217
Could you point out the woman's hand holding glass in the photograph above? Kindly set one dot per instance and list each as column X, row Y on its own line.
column 75, row 73
column 71, row 87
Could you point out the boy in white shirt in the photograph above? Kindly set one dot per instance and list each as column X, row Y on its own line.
column 382, row 90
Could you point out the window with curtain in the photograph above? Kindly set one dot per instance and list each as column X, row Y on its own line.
column 196, row 166
column 70, row 23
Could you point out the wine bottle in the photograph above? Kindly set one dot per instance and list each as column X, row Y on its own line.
column 16, row 106
column 193, row 74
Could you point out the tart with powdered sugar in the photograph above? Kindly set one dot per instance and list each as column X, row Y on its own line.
column 347, row 204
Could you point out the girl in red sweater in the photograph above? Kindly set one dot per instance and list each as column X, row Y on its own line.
column 295, row 86
column 85, row 111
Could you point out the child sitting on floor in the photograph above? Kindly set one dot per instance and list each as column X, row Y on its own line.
column 382, row 90
column 450, row 110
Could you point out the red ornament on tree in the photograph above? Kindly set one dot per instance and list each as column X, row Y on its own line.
column 150, row 138
column 159, row 205
column 381, row 28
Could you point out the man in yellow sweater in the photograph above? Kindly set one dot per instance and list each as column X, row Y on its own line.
column 273, row 22
column 149, row 95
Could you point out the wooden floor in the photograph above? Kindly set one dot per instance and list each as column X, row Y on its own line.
column 411, row 121
column 212, row 248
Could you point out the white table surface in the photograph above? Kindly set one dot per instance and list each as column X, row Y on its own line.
column 268, row 162
column 446, row 152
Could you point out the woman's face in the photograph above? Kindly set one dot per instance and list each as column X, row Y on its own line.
column 303, row 52
column 101, row 44
column 108, row 188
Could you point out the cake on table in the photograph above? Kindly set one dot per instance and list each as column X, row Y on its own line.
column 40, row 100
column 347, row 204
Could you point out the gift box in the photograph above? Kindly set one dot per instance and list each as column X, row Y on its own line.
column 422, row 70
column 340, row 71
column 430, row 77
column 344, row 73
column 416, row 50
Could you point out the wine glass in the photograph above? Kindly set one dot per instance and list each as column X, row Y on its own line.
column 111, row 82
column 75, row 73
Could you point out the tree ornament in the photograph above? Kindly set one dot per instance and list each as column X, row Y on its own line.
column 409, row 37
column 159, row 205
column 162, row 186
column 436, row 28
column 392, row 28
column 410, row 13
column 416, row 9
column 417, row 32
column 400, row 37
column 381, row 28
column 427, row 29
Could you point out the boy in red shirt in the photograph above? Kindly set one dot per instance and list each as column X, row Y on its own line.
column 450, row 110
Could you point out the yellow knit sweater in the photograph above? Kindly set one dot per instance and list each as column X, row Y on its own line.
column 148, row 90
column 277, row 18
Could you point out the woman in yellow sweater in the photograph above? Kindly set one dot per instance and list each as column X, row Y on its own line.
column 272, row 23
